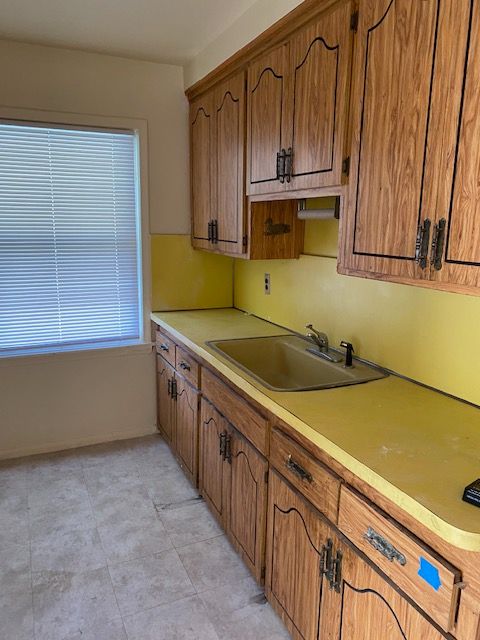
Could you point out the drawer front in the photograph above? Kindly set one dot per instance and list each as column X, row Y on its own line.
column 187, row 367
column 165, row 347
column 423, row 575
column 305, row 473
column 244, row 417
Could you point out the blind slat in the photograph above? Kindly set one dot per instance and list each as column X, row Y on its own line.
column 69, row 272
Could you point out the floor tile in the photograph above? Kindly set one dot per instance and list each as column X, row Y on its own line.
column 188, row 522
column 52, row 467
column 15, row 572
column 148, row 582
column 122, row 503
column 104, row 454
column 101, row 630
column 212, row 563
column 107, row 480
column 14, row 519
column 66, row 603
column 224, row 600
column 133, row 538
column 16, row 615
column 60, row 515
column 182, row 620
column 76, row 550
column 71, row 487
column 168, row 486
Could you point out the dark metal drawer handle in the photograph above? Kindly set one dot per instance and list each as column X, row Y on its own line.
column 164, row 347
column 385, row 547
column 298, row 470
column 185, row 366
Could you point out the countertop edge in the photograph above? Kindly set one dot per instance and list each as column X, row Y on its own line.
column 465, row 540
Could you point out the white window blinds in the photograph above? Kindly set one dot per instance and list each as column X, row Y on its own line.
column 69, row 238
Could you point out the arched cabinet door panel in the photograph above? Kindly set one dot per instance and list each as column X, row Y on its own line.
column 201, row 149
column 187, row 427
column 366, row 607
column 229, row 173
column 212, row 465
column 319, row 66
column 166, row 409
column 268, row 120
column 405, row 60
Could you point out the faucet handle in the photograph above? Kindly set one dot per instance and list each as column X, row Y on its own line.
column 309, row 326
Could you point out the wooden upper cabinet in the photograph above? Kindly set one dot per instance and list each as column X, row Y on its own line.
column 229, row 159
column 411, row 210
column 297, row 109
column 391, row 192
column 201, row 150
column 319, row 66
column 267, row 120
column 458, row 216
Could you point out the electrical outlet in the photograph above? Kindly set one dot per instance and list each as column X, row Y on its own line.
column 266, row 284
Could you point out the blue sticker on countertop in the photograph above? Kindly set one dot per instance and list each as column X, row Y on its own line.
column 429, row 573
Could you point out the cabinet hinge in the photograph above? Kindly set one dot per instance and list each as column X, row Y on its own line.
column 245, row 241
column 262, row 573
column 266, row 477
column 346, row 166
column 354, row 21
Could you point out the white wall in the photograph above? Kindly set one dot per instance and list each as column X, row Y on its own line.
column 63, row 400
column 252, row 23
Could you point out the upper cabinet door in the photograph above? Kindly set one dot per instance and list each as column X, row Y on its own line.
column 319, row 66
column 268, row 121
column 229, row 163
column 201, row 149
column 455, row 255
column 391, row 191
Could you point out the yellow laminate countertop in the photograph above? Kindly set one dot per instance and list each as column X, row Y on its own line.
column 417, row 447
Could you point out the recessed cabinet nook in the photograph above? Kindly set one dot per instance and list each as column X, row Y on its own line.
column 376, row 102
column 337, row 559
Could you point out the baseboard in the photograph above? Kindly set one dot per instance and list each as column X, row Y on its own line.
column 52, row 447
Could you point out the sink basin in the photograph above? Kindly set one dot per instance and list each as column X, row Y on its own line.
column 285, row 363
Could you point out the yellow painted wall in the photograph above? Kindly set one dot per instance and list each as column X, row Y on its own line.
column 431, row 336
column 183, row 278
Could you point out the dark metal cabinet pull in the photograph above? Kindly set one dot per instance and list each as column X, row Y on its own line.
column 298, row 470
column 385, row 547
column 228, row 449
column 421, row 246
column 222, row 438
column 174, row 393
column 169, row 386
column 184, row 365
column 164, row 347
column 215, row 231
column 438, row 243
column 210, row 228
column 288, row 164
column 281, row 165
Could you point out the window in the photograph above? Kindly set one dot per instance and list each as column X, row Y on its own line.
column 69, row 238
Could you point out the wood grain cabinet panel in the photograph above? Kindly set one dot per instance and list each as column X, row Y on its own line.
column 268, row 120
column 201, row 152
column 295, row 537
column 319, row 66
column 229, row 167
column 247, row 501
column 212, row 462
column 367, row 607
column 186, row 432
column 165, row 407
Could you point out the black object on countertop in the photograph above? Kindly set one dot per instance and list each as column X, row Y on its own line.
column 348, row 356
column 472, row 493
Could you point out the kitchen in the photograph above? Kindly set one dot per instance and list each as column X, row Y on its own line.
column 249, row 408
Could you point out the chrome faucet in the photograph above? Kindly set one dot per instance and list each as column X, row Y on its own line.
column 320, row 339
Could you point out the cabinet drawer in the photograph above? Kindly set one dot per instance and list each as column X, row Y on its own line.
column 187, row 367
column 417, row 570
column 165, row 347
column 305, row 473
column 250, row 423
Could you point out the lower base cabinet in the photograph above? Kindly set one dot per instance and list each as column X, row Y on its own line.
column 233, row 482
column 322, row 587
column 166, row 408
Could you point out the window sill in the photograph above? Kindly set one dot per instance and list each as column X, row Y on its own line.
column 77, row 352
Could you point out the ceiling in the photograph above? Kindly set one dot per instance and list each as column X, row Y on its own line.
column 171, row 31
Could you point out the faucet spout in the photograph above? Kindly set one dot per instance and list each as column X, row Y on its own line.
column 318, row 337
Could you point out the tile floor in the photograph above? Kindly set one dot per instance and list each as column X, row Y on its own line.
column 110, row 542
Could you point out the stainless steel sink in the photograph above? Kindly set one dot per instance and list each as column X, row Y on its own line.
column 286, row 363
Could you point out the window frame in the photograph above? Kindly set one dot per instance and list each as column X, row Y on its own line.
column 101, row 123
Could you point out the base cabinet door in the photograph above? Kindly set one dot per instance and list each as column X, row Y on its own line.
column 187, row 427
column 212, row 459
column 366, row 607
column 296, row 537
column 247, row 501
column 165, row 399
